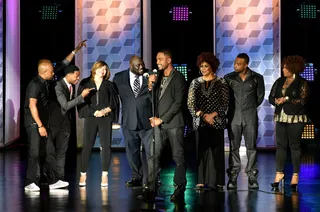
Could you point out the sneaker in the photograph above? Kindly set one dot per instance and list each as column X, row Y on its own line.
column 32, row 187
column 59, row 184
column 82, row 181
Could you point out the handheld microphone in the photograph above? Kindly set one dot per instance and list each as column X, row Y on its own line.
column 155, row 71
column 146, row 75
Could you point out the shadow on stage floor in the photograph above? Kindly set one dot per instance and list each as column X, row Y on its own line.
column 119, row 198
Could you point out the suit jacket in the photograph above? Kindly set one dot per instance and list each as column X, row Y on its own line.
column 62, row 104
column 170, row 101
column 297, row 93
column 136, row 111
column 107, row 94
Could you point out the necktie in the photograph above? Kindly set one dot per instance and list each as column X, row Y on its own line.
column 136, row 86
column 70, row 90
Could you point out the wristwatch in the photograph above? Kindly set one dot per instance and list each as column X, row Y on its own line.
column 287, row 98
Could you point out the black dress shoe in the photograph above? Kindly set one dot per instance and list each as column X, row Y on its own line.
column 178, row 194
column 252, row 179
column 133, row 183
column 147, row 195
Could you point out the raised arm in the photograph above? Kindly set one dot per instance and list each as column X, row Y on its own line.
column 69, row 57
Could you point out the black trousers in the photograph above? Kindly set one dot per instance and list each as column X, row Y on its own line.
column 210, row 156
column 176, row 140
column 288, row 134
column 92, row 126
column 57, row 146
column 235, row 133
column 38, row 162
column 136, row 141
column 36, row 154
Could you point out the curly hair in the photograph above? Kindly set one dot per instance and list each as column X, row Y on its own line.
column 294, row 63
column 210, row 58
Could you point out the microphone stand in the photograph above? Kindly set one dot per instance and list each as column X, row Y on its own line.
column 154, row 176
column 153, row 141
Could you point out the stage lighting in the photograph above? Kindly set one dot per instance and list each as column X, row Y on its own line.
column 50, row 12
column 183, row 69
column 307, row 10
column 308, row 132
column 309, row 72
column 180, row 13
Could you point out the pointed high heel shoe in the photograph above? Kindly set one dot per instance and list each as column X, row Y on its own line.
column 281, row 180
column 294, row 186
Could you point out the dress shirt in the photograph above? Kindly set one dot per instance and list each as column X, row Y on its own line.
column 69, row 85
column 132, row 77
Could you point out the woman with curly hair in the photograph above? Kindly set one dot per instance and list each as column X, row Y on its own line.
column 289, row 95
column 208, row 100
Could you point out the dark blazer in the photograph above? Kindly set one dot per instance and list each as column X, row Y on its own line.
column 107, row 93
column 62, row 103
column 170, row 101
column 135, row 111
column 297, row 93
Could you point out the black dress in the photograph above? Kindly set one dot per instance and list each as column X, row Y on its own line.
column 208, row 97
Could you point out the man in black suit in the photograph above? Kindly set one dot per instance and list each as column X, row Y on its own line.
column 168, row 122
column 136, row 111
column 60, row 117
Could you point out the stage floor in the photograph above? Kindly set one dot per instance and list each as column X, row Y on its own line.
column 117, row 197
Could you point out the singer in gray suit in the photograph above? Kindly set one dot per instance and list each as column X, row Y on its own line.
column 136, row 110
column 60, row 117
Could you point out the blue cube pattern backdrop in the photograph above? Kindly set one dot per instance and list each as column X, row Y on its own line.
column 253, row 27
column 113, row 33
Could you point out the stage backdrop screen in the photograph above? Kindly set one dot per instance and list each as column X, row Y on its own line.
column 253, row 27
column 9, row 71
column 113, row 33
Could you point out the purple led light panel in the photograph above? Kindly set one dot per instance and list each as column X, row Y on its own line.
column 180, row 13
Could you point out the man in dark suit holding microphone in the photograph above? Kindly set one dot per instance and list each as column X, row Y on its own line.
column 136, row 110
column 168, row 122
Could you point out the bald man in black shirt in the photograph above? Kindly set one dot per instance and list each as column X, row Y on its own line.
column 36, row 114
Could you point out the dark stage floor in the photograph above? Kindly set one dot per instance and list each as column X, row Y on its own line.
column 119, row 198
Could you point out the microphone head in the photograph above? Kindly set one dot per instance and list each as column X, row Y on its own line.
column 155, row 71
column 145, row 75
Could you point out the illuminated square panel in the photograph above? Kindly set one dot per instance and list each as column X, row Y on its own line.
column 308, row 132
column 183, row 69
column 49, row 12
column 308, row 11
column 308, row 72
column 180, row 13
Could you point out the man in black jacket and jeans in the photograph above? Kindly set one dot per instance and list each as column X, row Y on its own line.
column 246, row 94
column 168, row 122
